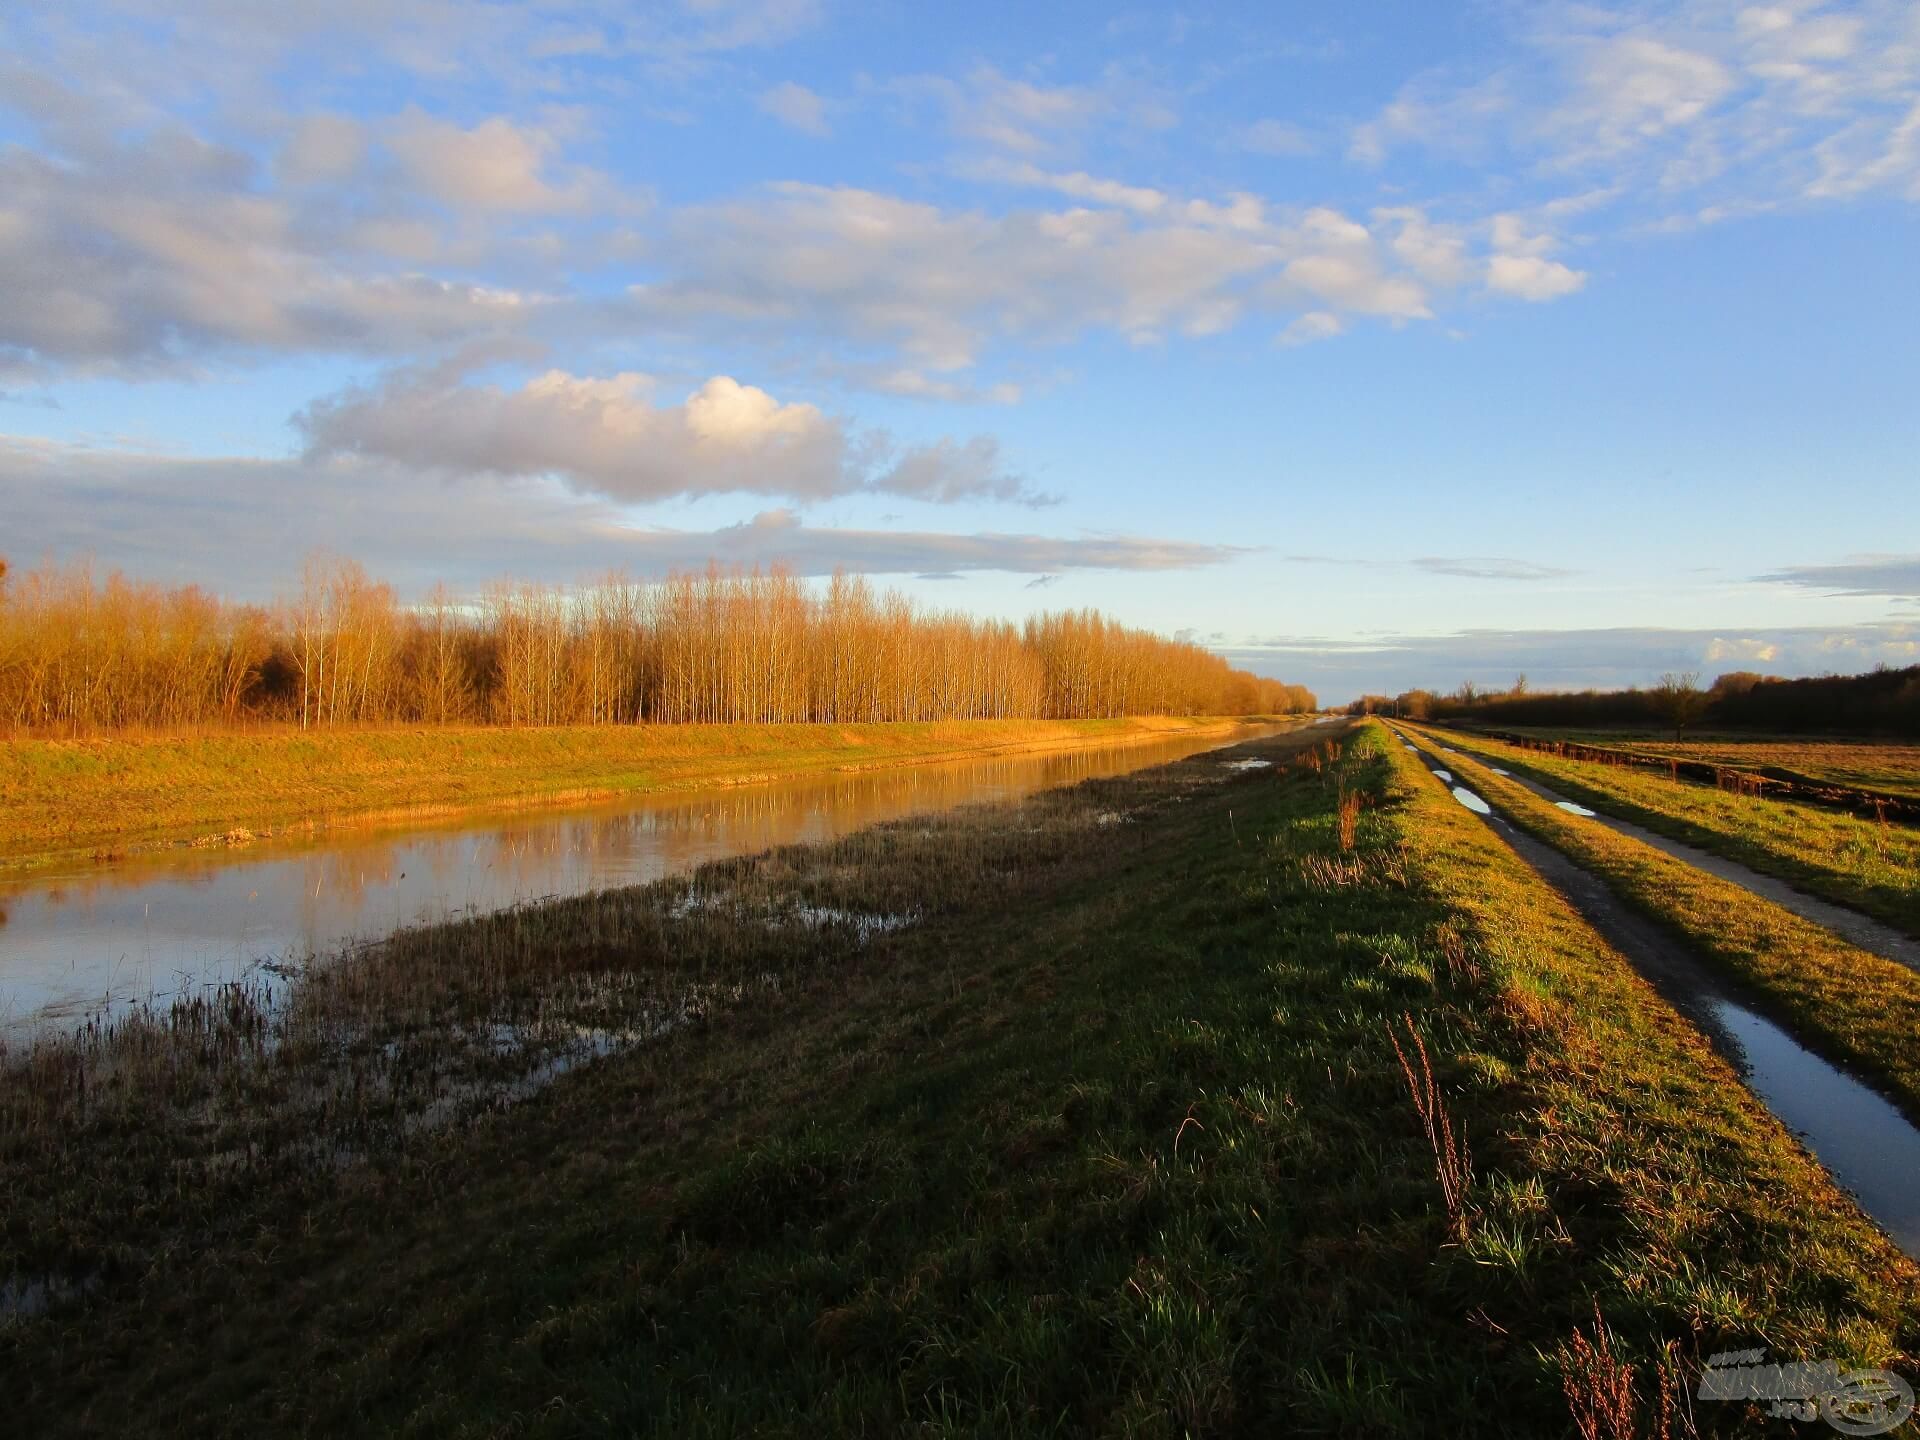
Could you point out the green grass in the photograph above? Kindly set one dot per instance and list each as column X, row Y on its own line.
column 75, row 797
column 1871, row 866
column 1112, row 1140
column 1856, row 1006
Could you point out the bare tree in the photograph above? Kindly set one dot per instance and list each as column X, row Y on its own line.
column 1680, row 699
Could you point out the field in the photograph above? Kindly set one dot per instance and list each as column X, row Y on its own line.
column 79, row 797
column 1889, row 766
column 1202, row 1100
column 1867, row 865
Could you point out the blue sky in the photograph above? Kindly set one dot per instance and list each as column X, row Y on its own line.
column 1373, row 345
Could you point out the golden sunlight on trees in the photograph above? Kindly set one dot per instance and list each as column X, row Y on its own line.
column 78, row 653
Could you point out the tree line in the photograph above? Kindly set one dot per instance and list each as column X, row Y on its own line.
column 1884, row 701
column 79, row 653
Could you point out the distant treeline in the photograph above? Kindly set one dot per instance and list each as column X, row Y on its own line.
column 1882, row 702
column 81, row 654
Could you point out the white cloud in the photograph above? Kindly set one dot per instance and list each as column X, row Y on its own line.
column 1745, row 108
column 1312, row 326
column 1520, row 265
column 796, row 107
column 611, row 436
column 496, row 165
column 164, row 254
column 322, row 148
column 1529, row 277
column 944, row 285
column 1631, row 88
column 1077, row 185
column 1741, row 650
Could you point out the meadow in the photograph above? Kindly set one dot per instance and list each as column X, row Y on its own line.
column 1213, row 1098
column 1888, row 765
column 1868, row 864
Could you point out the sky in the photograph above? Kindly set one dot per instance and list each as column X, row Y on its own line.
column 1374, row 346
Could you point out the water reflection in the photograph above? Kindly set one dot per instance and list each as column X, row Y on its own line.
column 1870, row 1147
column 156, row 925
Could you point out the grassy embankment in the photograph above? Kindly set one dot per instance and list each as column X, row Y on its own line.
column 1871, row 866
column 1886, row 765
column 1114, row 1137
column 75, row 797
column 1855, row 1006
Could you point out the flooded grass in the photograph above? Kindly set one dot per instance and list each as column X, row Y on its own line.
column 1010, row 1120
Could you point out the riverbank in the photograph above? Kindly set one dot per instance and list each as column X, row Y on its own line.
column 1088, row 1114
column 66, row 799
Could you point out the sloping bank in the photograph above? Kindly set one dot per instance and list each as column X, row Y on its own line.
column 1107, row 1130
column 78, row 797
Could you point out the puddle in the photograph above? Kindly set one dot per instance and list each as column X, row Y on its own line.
column 1857, row 929
column 1505, row 774
column 1246, row 764
column 1472, row 801
column 1856, row 1133
column 863, row 923
column 1866, row 1144
column 1446, row 775
column 24, row 1298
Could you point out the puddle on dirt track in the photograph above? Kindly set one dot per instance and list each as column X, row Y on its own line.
column 1573, row 809
column 1864, row 1141
column 96, row 938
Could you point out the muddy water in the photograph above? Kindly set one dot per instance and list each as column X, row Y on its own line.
column 96, row 938
column 1862, row 1139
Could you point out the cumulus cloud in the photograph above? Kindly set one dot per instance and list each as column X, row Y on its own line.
column 140, row 251
column 796, row 107
column 1521, row 265
column 944, row 284
column 613, row 436
column 162, row 516
column 495, row 165
column 1531, row 277
column 147, row 260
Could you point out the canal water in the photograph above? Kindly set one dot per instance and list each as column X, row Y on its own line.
column 95, row 938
